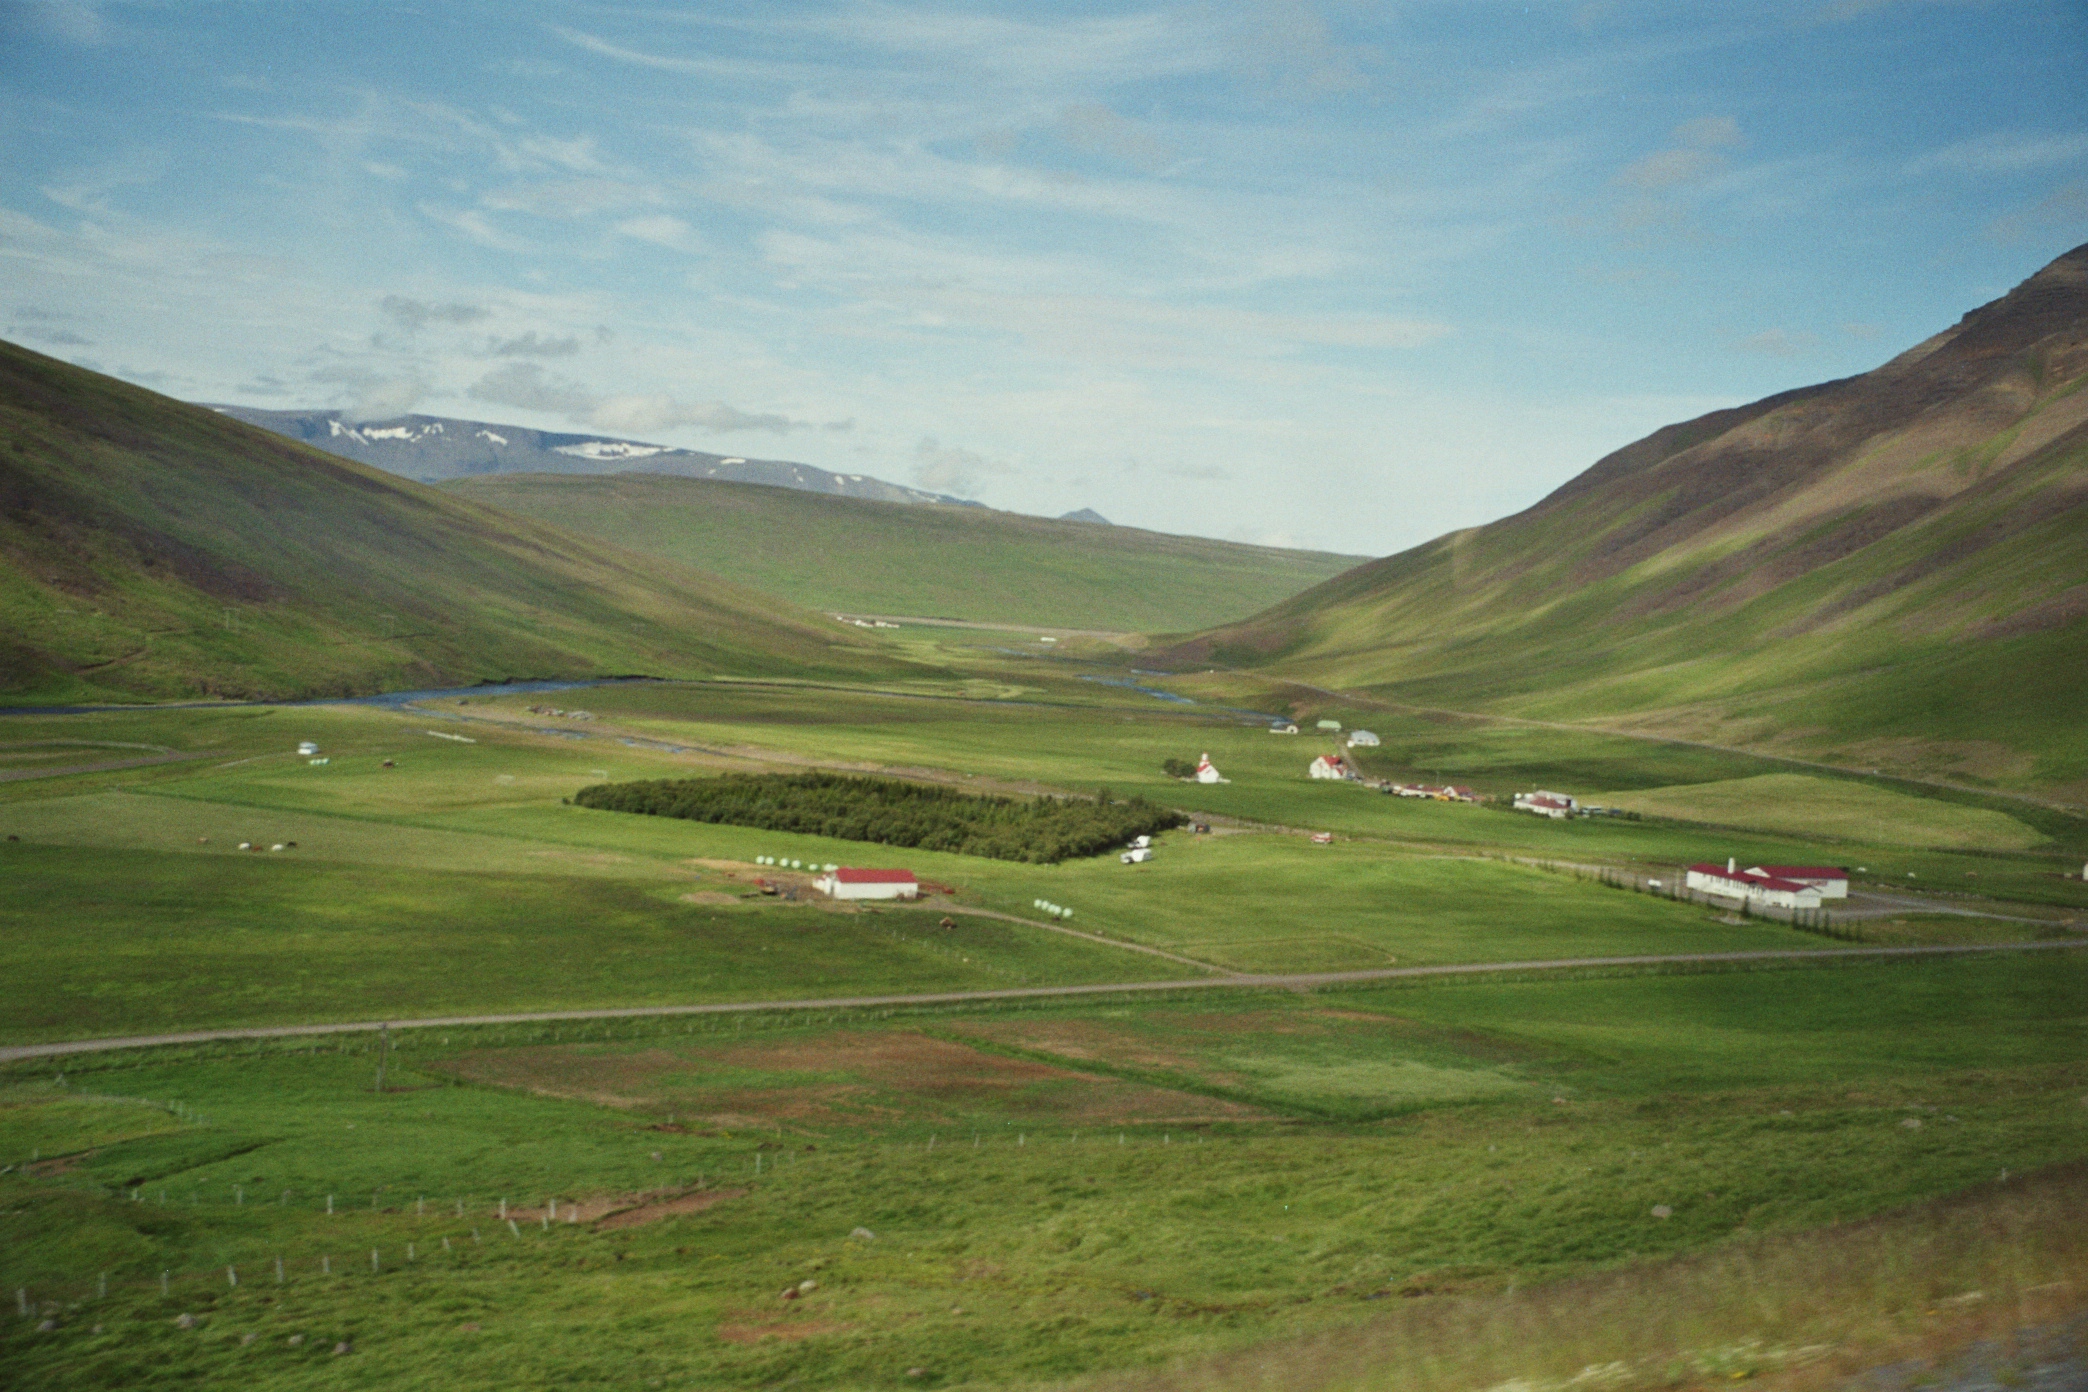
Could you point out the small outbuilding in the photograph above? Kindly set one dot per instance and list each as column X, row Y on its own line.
column 1283, row 727
column 1362, row 739
column 1334, row 725
column 1207, row 772
column 307, row 748
column 849, row 882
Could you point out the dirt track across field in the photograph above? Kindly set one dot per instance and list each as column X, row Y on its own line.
column 1300, row 981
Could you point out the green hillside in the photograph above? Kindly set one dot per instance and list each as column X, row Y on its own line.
column 1891, row 570
column 866, row 557
column 150, row 548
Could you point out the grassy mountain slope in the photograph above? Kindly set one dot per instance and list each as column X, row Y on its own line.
column 1892, row 568
column 874, row 557
column 150, row 548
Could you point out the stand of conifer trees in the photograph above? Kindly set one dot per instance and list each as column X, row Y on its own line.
column 1040, row 830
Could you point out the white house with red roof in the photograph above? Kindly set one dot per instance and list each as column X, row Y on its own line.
column 1831, row 880
column 1330, row 766
column 1546, row 804
column 1207, row 772
column 849, row 882
column 1755, row 886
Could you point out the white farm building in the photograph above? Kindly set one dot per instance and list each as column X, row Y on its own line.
column 846, row 882
column 1753, row 886
column 1207, row 772
column 1831, row 880
column 1544, row 804
column 1330, row 766
column 1362, row 739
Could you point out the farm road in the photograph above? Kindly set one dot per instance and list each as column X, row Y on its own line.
column 1292, row 982
column 948, row 907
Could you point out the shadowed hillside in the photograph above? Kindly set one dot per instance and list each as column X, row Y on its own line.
column 864, row 556
column 152, row 549
column 1892, row 569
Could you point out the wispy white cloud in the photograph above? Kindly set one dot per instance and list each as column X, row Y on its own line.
column 662, row 230
column 1696, row 153
column 411, row 314
column 948, row 469
column 2004, row 153
column 68, row 21
column 1778, row 343
column 529, row 345
column 1093, row 126
column 528, row 387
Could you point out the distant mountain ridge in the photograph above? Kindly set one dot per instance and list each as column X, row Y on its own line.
column 430, row 449
column 1891, row 568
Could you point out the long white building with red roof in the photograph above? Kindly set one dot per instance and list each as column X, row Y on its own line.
column 1767, row 885
column 1831, row 880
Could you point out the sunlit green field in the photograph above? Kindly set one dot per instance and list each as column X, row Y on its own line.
column 457, row 880
column 431, row 865
column 1798, row 804
column 1012, row 1196
column 1058, row 1191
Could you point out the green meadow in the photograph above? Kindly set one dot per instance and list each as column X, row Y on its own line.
column 1800, row 805
column 865, row 557
column 1000, row 1196
column 1116, row 1187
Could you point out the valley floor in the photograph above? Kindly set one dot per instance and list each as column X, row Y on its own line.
column 1792, row 1166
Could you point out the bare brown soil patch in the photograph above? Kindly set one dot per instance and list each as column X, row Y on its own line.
column 1096, row 1040
column 666, row 1208
column 710, row 896
column 57, row 1165
column 607, row 1078
column 840, row 1078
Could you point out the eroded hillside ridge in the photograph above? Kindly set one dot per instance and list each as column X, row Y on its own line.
column 153, row 548
column 1840, row 563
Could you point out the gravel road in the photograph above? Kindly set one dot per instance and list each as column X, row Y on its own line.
column 1293, row 982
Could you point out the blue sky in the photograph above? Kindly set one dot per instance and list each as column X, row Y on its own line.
column 1322, row 274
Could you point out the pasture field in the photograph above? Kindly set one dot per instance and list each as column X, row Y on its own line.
column 1799, row 804
column 1002, row 1196
column 455, row 880
column 150, row 942
column 1064, row 1191
column 862, row 556
column 1119, row 739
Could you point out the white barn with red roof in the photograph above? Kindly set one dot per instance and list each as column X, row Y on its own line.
column 1831, row 880
column 1729, row 882
column 849, row 882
